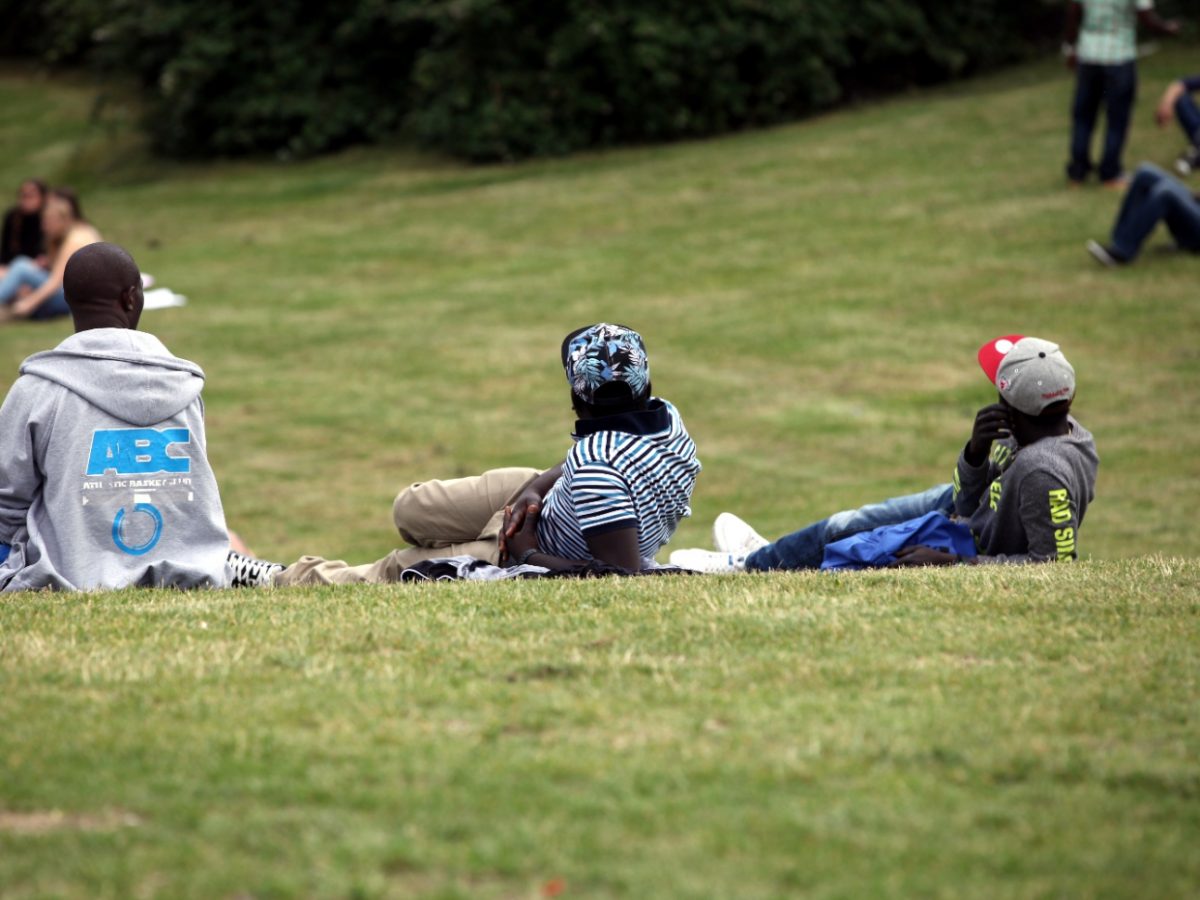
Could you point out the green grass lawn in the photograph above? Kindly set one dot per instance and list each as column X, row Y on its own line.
column 812, row 297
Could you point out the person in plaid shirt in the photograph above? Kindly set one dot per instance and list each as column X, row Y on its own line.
column 1101, row 46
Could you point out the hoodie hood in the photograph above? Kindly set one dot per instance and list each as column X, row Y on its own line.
column 128, row 374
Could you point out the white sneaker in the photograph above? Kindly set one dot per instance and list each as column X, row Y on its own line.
column 1189, row 160
column 1106, row 256
column 733, row 535
column 709, row 561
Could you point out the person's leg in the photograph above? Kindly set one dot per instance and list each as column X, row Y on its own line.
column 1089, row 83
column 804, row 549
column 1120, row 90
column 452, row 517
column 453, row 511
column 53, row 307
column 1181, row 215
column 22, row 272
column 1141, row 210
column 316, row 570
column 1187, row 114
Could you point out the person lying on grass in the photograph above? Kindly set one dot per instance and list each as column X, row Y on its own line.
column 616, row 498
column 1154, row 196
column 1022, row 484
column 104, row 481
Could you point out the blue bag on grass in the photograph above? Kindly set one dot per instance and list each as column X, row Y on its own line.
column 869, row 549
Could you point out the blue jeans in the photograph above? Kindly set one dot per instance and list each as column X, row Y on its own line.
column 1188, row 117
column 24, row 272
column 1116, row 86
column 805, row 548
column 1153, row 197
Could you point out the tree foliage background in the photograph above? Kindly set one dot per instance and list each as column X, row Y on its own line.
column 504, row 79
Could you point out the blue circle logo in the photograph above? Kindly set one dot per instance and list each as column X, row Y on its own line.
column 146, row 509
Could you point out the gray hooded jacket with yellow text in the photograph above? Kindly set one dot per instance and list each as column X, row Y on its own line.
column 1026, row 504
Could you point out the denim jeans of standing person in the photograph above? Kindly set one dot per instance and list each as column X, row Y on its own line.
column 1153, row 197
column 24, row 272
column 805, row 548
column 1116, row 87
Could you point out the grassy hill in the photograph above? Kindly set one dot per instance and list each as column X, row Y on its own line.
column 812, row 298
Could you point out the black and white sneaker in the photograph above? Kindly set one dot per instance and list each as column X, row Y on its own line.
column 1106, row 256
column 1188, row 161
column 248, row 572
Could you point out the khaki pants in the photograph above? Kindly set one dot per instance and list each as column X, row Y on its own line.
column 457, row 517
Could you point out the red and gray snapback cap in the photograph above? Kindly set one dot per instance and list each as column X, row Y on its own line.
column 1030, row 373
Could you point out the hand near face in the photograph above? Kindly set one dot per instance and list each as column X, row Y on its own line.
column 992, row 423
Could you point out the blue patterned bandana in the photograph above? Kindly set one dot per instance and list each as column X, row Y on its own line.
column 606, row 354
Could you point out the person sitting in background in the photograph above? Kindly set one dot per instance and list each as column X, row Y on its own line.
column 104, row 478
column 27, row 291
column 616, row 499
column 1022, row 483
column 1101, row 46
column 22, row 234
column 1154, row 196
column 1177, row 103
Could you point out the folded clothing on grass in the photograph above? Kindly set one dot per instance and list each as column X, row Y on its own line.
column 878, row 547
column 468, row 568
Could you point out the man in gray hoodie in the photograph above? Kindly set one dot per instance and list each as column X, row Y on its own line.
column 104, row 477
column 1022, row 483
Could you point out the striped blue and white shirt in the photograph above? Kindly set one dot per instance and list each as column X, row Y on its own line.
column 633, row 470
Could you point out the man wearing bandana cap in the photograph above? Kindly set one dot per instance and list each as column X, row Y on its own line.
column 616, row 498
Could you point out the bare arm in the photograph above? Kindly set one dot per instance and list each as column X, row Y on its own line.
column 1165, row 111
column 612, row 540
column 529, row 499
column 1071, row 31
column 1150, row 20
column 615, row 548
column 1073, row 21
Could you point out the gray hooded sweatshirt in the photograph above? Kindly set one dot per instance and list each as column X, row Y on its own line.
column 1026, row 504
column 104, row 475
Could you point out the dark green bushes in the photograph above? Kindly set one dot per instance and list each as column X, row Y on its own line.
column 501, row 79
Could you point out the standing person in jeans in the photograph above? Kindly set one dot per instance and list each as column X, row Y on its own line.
column 1022, row 483
column 1177, row 103
column 1101, row 46
column 1154, row 196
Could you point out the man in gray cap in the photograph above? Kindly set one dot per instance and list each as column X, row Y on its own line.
column 1022, row 483
column 616, row 498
